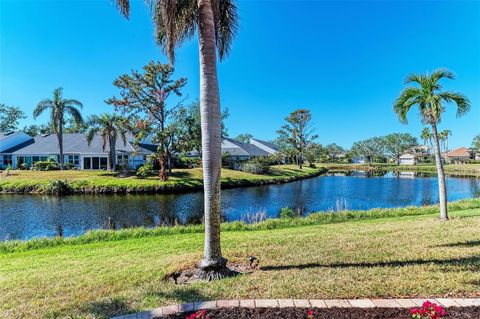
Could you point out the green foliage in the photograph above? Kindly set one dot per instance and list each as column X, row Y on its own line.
column 68, row 166
column 476, row 143
column 396, row 144
column 8, row 170
column 258, row 165
column 297, row 134
column 287, row 212
column 35, row 130
column 9, row 117
column 23, row 167
column 188, row 162
column 49, row 165
column 145, row 170
column 369, row 149
column 58, row 187
column 244, row 138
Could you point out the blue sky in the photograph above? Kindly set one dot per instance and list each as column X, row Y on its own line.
column 345, row 61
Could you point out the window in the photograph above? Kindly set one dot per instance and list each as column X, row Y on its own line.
column 7, row 159
column 74, row 159
column 95, row 163
column 122, row 159
column 87, row 163
column 103, row 163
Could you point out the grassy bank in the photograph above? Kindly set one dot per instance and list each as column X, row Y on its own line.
column 380, row 253
column 180, row 180
column 453, row 169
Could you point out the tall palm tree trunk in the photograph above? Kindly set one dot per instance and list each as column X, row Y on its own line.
column 112, row 158
column 213, row 265
column 442, row 190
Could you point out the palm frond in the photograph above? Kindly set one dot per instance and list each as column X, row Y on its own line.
column 405, row 101
column 75, row 113
column 442, row 73
column 41, row 107
column 91, row 134
column 124, row 7
column 415, row 78
column 462, row 102
column 226, row 26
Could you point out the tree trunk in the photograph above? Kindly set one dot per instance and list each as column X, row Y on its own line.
column 398, row 159
column 442, row 190
column 113, row 158
column 162, row 173
column 60, row 142
column 213, row 265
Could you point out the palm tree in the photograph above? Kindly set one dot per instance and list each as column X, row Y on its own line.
column 428, row 96
column 216, row 21
column 59, row 107
column 443, row 135
column 110, row 126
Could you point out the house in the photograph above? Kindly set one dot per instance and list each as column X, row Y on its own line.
column 415, row 155
column 358, row 160
column 238, row 151
column 460, row 155
column 24, row 149
column 268, row 147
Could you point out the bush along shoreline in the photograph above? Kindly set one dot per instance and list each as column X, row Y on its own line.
column 115, row 185
column 317, row 218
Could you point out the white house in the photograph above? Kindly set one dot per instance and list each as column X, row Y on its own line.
column 415, row 155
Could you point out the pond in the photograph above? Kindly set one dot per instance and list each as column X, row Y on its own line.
column 29, row 216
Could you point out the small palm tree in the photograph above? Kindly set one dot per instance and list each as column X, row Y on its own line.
column 59, row 108
column 428, row 96
column 110, row 127
column 216, row 23
column 443, row 135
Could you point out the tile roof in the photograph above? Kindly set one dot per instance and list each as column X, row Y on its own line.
column 459, row 152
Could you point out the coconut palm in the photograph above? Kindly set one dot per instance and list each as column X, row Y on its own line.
column 216, row 22
column 109, row 127
column 443, row 135
column 428, row 96
column 59, row 108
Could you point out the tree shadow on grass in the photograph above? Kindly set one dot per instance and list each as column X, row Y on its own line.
column 470, row 263
column 470, row 243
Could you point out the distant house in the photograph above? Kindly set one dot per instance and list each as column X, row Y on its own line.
column 19, row 148
column 269, row 147
column 238, row 151
column 460, row 155
column 358, row 160
column 415, row 155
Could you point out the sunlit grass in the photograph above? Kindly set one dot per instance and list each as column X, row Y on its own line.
column 409, row 256
column 181, row 179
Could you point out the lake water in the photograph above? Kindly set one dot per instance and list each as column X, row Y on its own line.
column 29, row 216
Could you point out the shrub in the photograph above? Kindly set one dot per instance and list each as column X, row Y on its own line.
column 187, row 162
column 7, row 170
column 428, row 310
column 68, row 165
column 287, row 212
column 258, row 165
column 49, row 165
column 200, row 314
column 58, row 187
column 145, row 170
column 23, row 167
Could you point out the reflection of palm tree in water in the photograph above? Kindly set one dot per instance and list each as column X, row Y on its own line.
column 475, row 186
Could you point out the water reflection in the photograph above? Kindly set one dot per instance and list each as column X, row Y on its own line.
column 27, row 216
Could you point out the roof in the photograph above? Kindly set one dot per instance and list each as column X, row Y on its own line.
column 459, row 152
column 72, row 144
column 407, row 155
column 236, row 148
column 267, row 144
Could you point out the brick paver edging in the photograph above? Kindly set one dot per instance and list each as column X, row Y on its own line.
column 299, row 303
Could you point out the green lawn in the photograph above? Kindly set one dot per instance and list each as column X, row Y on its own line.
column 181, row 179
column 404, row 256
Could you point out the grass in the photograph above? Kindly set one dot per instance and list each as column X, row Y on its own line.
column 180, row 180
column 405, row 253
column 453, row 169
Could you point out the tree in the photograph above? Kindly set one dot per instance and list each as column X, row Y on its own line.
column 443, row 136
column 34, row 130
column 313, row 152
column 59, row 109
column 333, row 151
column 143, row 96
column 476, row 143
column 427, row 95
column 369, row 149
column 191, row 120
column 109, row 127
column 298, row 133
column 216, row 22
column 397, row 143
column 9, row 117
column 244, row 138
column 72, row 126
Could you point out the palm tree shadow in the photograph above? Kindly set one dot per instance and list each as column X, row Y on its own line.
column 470, row 243
column 471, row 263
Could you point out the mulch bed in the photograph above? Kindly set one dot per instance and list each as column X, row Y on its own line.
column 327, row 313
